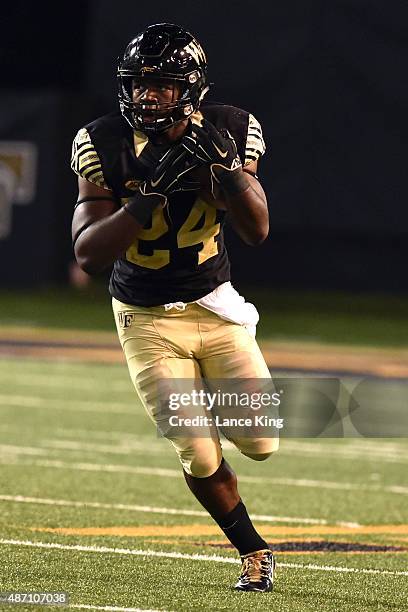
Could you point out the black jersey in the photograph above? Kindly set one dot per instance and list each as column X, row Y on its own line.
column 180, row 254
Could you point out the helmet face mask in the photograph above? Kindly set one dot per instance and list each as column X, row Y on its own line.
column 162, row 54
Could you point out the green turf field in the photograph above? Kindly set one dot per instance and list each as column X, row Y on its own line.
column 93, row 504
column 379, row 320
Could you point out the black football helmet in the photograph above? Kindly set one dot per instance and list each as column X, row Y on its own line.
column 163, row 51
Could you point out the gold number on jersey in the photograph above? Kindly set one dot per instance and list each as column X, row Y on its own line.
column 186, row 236
column 160, row 257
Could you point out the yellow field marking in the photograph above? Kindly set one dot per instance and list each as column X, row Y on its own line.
column 311, row 356
column 72, row 337
column 208, row 530
column 94, row 355
column 382, row 362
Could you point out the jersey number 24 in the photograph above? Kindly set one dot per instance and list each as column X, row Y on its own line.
column 186, row 236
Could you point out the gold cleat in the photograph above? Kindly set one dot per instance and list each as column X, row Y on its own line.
column 257, row 572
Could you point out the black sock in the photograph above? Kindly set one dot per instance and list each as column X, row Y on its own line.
column 240, row 531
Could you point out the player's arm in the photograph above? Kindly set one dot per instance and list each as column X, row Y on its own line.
column 100, row 232
column 247, row 205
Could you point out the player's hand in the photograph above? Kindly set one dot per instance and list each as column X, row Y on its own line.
column 170, row 175
column 218, row 149
column 167, row 173
column 142, row 204
column 173, row 172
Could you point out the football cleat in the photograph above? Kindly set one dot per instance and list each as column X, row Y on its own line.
column 257, row 572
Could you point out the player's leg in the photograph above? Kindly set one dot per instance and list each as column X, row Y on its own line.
column 230, row 352
column 151, row 351
column 160, row 369
column 232, row 360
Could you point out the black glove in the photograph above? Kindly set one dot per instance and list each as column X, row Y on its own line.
column 170, row 175
column 219, row 150
column 172, row 172
column 144, row 202
column 162, row 171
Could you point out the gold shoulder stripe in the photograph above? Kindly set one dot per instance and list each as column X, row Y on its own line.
column 197, row 118
column 85, row 160
column 255, row 144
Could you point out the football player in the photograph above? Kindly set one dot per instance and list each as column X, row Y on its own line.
column 156, row 182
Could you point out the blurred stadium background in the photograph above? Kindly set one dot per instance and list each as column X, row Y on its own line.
column 327, row 80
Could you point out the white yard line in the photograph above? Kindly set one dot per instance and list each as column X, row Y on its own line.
column 123, row 444
column 169, row 473
column 345, row 570
column 127, row 446
column 359, row 443
column 124, row 447
column 160, row 510
column 347, row 451
column 12, row 449
column 361, row 449
column 194, row 557
column 347, row 444
column 110, row 449
column 99, row 434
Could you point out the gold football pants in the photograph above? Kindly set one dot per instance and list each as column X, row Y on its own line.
column 168, row 346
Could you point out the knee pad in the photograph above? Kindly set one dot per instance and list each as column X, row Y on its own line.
column 201, row 458
column 257, row 457
column 257, row 449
